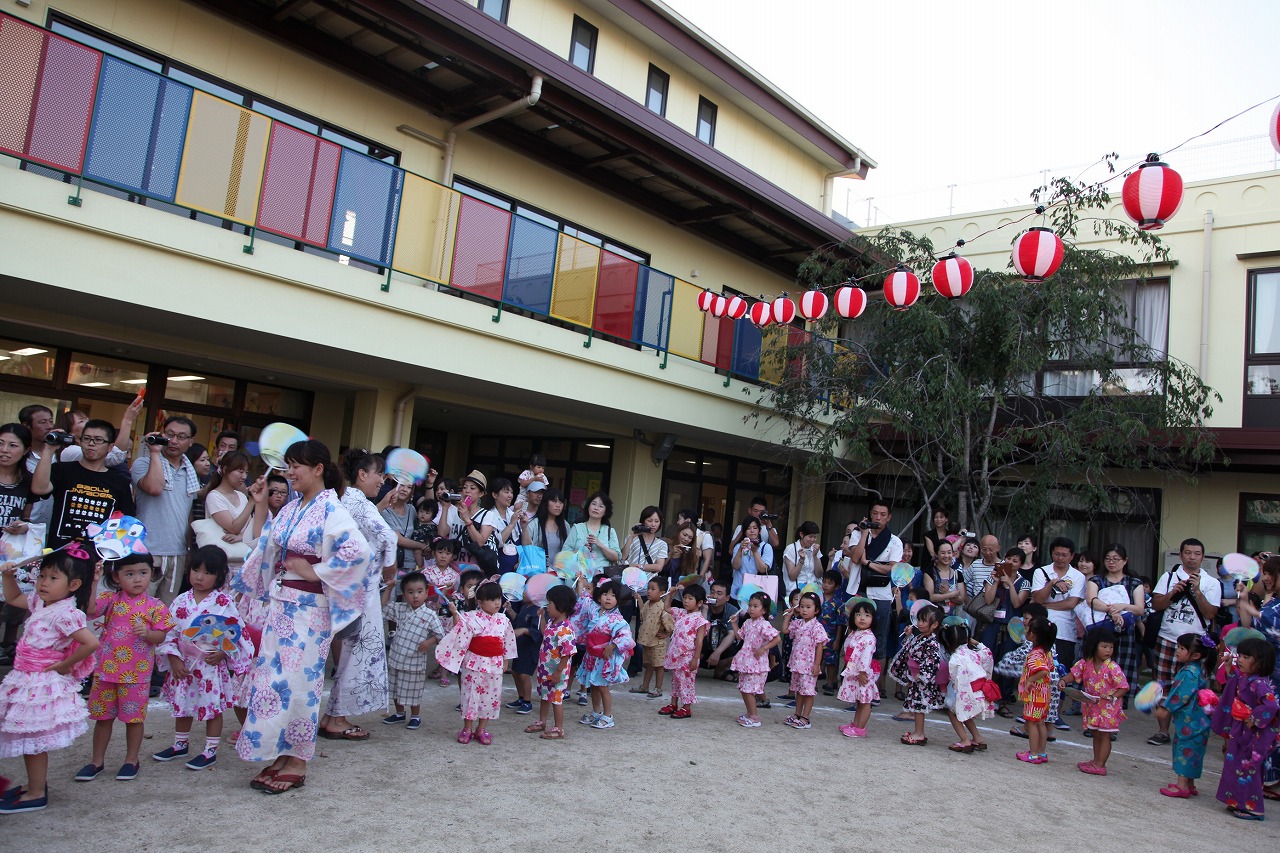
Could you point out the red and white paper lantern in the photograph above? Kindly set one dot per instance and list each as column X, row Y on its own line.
column 1037, row 254
column 813, row 305
column 704, row 300
column 719, row 306
column 1273, row 130
column 784, row 310
column 761, row 313
column 1152, row 194
column 901, row 288
column 952, row 276
column 850, row 302
column 737, row 308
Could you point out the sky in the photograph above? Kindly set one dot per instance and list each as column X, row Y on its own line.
column 987, row 94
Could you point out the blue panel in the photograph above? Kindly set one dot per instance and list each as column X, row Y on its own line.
column 139, row 126
column 746, row 350
column 654, row 291
column 365, row 208
column 531, row 265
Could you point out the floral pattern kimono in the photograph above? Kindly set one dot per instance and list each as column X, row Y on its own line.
column 917, row 667
column 1105, row 682
column 859, row 654
column 597, row 671
column 207, row 690
column 966, row 665
column 288, row 673
column 682, row 657
column 1248, row 740
column 477, row 648
column 1189, row 724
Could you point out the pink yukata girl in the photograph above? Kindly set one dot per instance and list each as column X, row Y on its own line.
column 683, row 652
column 478, row 649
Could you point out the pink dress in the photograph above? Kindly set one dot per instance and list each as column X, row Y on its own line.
column 199, row 629
column 966, row 665
column 1104, row 681
column 859, row 654
column 481, row 672
column 682, row 657
column 124, row 657
column 43, row 711
column 752, row 670
column 806, row 639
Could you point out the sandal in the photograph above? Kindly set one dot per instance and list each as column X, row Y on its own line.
column 1091, row 768
column 1245, row 814
column 553, row 733
column 1003, row 711
column 353, row 733
column 681, row 714
column 638, row 690
column 904, row 717
column 910, row 739
column 260, row 781
column 1176, row 791
column 654, row 694
column 483, row 737
column 532, row 728
column 966, row 748
column 1270, row 794
column 980, row 745
column 290, row 781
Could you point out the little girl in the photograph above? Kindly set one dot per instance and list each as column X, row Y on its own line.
column 201, row 657
column 752, row 661
column 969, row 665
column 1034, row 687
column 1099, row 675
column 608, row 645
column 481, row 642
column 441, row 570
column 426, row 531
column 654, row 635
column 135, row 624
column 555, row 657
column 684, row 651
column 1247, row 717
column 860, row 669
column 808, row 637
column 54, row 654
column 1196, row 657
column 917, row 667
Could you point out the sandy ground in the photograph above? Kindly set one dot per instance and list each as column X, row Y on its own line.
column 651, row 783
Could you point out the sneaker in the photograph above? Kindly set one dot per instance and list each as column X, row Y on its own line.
column 458, row 707
column 1032, row 759
column 89, row 772
column 1061, row 725
column 588, row 719
column 392, row 719
column 526, row 707
column 582, row 699
column 854, row 707
column 415, row 723
column 170, row 753
column 18, row 807
column 850, row 730
column 201, row 761
column 802, row 723
column 514, row 705
column 1158, row 739
column 787, row 697
column 748, row 723
column 790, row 704
column 127, row 773
column 603, row 722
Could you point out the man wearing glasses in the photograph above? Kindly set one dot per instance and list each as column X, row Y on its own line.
column 84, row 491
column 166, row 485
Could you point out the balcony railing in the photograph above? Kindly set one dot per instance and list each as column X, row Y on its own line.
column 102, row 120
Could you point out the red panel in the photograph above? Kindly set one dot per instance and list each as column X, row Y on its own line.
column 64, row 104
column 298, row 185
column 717, row 342
column 20, row 48
column 480, row 251
column 616, row 295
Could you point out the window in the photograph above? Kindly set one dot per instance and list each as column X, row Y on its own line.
column 1264, row 334
column 706, row 121
column 582, row 49
column 1259, row 524
column 1147, row 309
column 656, row 93
column 496, row 9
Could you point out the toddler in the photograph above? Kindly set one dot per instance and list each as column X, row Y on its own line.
column 416, row 631
column 656, row 625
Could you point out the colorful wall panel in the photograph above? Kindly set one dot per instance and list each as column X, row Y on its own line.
column 746, row 349
column 531, row 265
column 365, row 208
column 222, row 159
column 616, row 295
column 686, row 321
column 427, row 229
column 654, row 294
column 480, row 251
column 577, row 266
column 298, row 185
column 139, row 126
column 717, row 341
column 21, row 46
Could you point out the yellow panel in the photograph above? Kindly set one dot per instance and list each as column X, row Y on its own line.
column 223, row 159
column 773, row 344
column 573, row 295
column 428, row 223
column 686, row 321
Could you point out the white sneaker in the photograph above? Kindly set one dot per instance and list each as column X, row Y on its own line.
column 602, row 722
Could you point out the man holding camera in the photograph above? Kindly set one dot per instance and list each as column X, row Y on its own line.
column 1189, row 596
column 84, row 491
column 759, row 509
column 875, row 549
column 167, row 484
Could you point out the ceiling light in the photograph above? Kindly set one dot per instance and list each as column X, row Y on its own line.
column 94, row 384
column 133, row 382
column 4, row 358
column 185, row 378
column 600, row 446
column 27, row 351
column 431, row 66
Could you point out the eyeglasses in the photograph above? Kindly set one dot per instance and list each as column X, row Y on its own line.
column 94, row 441
column 277, row 492
column 176, row 436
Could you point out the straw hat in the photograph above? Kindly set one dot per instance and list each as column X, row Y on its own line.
column 479, row 479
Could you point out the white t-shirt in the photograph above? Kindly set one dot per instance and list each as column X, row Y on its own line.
column 1065, row 620
column 1180, row 617
column 806, row 559
column 216, row 502
column 892, row 553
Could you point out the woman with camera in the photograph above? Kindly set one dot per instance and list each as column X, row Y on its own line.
column 802, row 559
column 752, row 555
column 643, row 546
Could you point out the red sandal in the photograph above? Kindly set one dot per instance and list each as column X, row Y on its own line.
column 681, row 714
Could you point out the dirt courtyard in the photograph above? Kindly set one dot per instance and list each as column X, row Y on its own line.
column 651, row 783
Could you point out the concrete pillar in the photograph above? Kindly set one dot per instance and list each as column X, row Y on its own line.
column 634, row 482
column 373, row 422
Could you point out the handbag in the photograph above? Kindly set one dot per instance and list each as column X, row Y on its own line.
column 210, row 532
column 531, row 560
column 979, row 609
column 485, row 556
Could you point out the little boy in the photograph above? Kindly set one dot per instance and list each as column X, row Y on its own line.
column 417, row 630
column 656, row 625
column 527, row 622
column 834, row 617
column 554, row 658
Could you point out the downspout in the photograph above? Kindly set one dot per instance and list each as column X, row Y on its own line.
column 829, row 185
column 401, row 405
column 1206, row 278
column 451, row 138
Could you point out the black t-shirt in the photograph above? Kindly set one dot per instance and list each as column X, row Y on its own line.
column 82, row 497
column 14, row 499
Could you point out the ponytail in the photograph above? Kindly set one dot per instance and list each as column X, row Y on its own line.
column 312, row 453
column 358, row 459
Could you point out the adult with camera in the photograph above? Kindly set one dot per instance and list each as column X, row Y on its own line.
column 802, row 560
column 1189, row 598
column 874, row 549
column 752, row 555
column 759, row 510
column 704, row 543
column 83, row 492
column 643, row 546
column 167, row 484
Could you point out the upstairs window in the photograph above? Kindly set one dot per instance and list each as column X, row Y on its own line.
column 706, row 121
column 1262, row 355
column 496, row 9
column 655, row 98
column 582, row 49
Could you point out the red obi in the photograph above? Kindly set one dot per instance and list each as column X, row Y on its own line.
column 489, row 647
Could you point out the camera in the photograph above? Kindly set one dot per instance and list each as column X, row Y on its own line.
column 868, row 525
column 637, row 528
column 62, row 439
column 452, row 497
column 768, row 516
column 156, row 440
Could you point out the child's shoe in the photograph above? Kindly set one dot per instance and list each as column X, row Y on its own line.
column 89, row 772
column 747, row 722
column 850, row 730
column 582, row 699
column 464, row 736
column 483, row 737
column 1033, row 759
column 127, row 773
column 588, row 719
column 392, row 719
column 415, row 723
column 169, row 753
column 602, row 722
column 16, row 806
column 802, row 723
column 202, row 761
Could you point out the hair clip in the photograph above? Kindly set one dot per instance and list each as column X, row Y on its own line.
column 75, row 549
column 1207, row 641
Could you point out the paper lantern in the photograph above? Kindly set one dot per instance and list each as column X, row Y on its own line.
column 850, row 302
column 1152, row 194
column 704, row 300
column 1273, row 129
column 737, row 308
column 1037, row 254
column 813, row 305
column 901, row 288
column 952, row 276
column 719, row 305
column 784, row 310
column 761, row 313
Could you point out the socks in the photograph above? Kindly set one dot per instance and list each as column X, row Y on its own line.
column 180, row 740
column 211, row 745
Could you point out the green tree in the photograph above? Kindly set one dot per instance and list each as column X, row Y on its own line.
column 944, row 392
